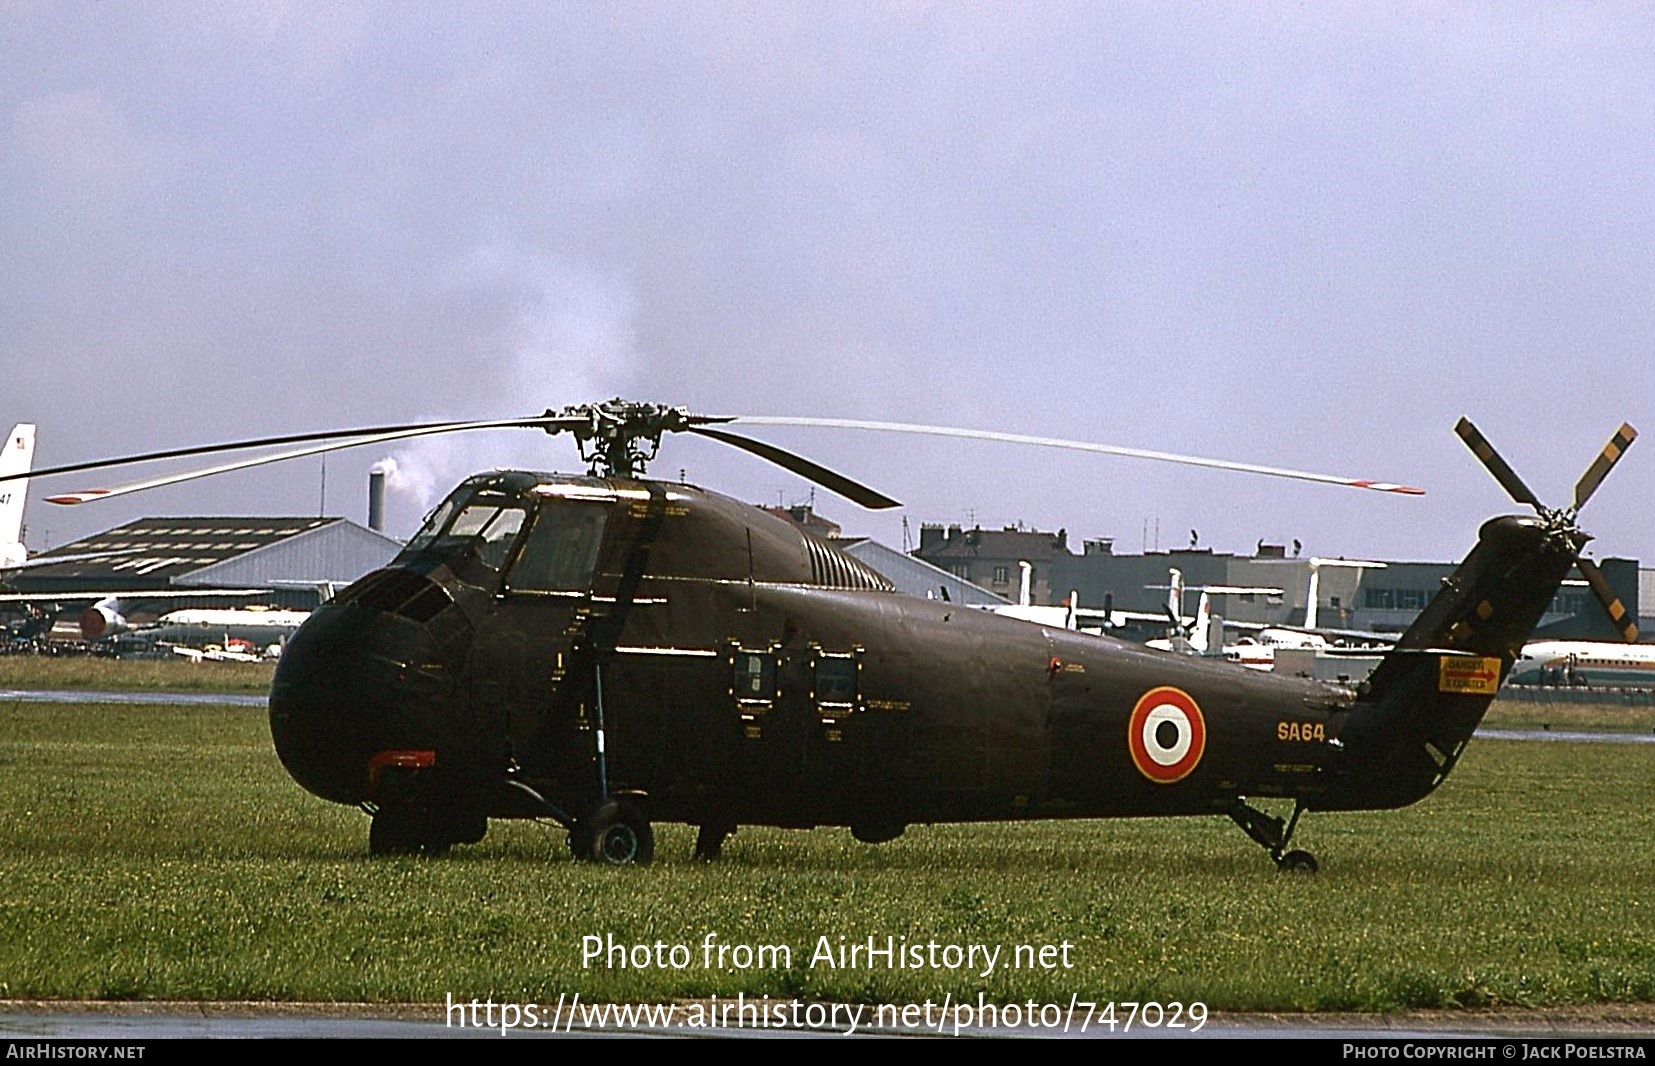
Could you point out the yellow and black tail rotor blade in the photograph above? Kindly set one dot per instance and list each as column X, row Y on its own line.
column 1604, row 463
column 1618, row 614
column 1503, row 473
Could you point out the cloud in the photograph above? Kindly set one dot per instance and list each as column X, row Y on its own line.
column 562, row 334
column 85, row 150
column 302, row 42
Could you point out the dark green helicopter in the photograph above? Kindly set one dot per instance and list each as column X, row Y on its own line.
column 611, row 651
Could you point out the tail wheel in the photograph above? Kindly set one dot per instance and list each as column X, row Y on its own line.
column 1297, row 862
column 615, row 834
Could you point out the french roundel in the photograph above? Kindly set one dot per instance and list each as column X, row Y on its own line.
column 1166, row 734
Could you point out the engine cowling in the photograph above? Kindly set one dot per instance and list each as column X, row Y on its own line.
column 103, row 619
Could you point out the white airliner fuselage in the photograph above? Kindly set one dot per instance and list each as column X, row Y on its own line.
column 1584, row 662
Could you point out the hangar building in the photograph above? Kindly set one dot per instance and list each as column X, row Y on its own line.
column 293, row 558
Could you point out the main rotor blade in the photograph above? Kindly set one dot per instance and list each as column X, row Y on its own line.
column 1618, row 614
column 1084, row 446
column 1503, row 473
column 798, row 464
column 376, row 433
column 1604, row 463
column 356, row 440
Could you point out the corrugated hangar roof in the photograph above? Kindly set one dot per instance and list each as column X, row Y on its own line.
column 155, row 552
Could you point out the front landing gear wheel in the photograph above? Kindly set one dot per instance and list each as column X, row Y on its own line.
column 615, row 834
column 1297, row 862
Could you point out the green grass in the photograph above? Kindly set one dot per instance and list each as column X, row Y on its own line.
column 161, row 853
column 93, row 673
column 1517, row 712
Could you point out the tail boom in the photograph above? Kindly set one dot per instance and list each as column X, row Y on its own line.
column 1406, row 730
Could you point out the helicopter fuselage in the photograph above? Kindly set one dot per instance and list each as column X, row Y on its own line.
column 659, row 641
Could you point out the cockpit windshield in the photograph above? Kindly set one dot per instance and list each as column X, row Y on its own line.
column 545, row 544
column 468, row 530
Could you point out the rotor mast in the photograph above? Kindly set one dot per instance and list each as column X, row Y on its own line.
column 618, row 438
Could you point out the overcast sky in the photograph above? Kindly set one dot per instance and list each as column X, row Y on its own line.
column 1301, row 235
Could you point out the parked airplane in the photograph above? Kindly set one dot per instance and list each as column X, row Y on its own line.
column 1205, row 635
column 104, row 615
column 1584, row 662
column 1069, row 614
column 1258, row 646
column 215, row 632
column 15, row 459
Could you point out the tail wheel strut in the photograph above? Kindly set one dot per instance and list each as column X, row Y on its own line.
column 1273, row 835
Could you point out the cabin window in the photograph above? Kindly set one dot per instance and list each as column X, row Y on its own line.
column 754, row 684
column 753, row 676
column 433, row 525
column 560, row 553
column 835, row 685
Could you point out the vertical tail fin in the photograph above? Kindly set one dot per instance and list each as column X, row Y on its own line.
column 1202, row 636
column 16, row 456
column 1422, row 702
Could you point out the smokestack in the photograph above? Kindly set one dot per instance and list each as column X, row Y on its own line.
column 376, row 500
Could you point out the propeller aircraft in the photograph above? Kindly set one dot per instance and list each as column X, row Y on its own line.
column 612, row 651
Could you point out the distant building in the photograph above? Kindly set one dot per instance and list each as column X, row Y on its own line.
column 805, row 517
column 1381, row 599
column 289, row 556
column 990, row 557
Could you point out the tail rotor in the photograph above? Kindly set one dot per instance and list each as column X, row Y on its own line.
column 1562, row 521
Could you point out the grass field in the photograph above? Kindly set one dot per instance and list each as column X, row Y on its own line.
column 161, row 853
column 86, row 672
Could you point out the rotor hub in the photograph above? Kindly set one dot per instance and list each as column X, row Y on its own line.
column 618, row 438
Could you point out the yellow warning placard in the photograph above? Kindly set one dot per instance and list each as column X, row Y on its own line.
column 1471, row 676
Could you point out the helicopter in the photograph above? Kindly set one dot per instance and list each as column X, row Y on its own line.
column 611, row 651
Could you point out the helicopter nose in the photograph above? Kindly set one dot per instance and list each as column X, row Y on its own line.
column 356, row 687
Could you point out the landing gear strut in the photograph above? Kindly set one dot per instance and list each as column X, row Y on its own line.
column 709, row 840
column 1273, row 835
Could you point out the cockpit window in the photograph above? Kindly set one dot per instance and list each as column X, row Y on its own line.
column 490, row 528
column 560, row 553
column 434, row 524
column 463, row 533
